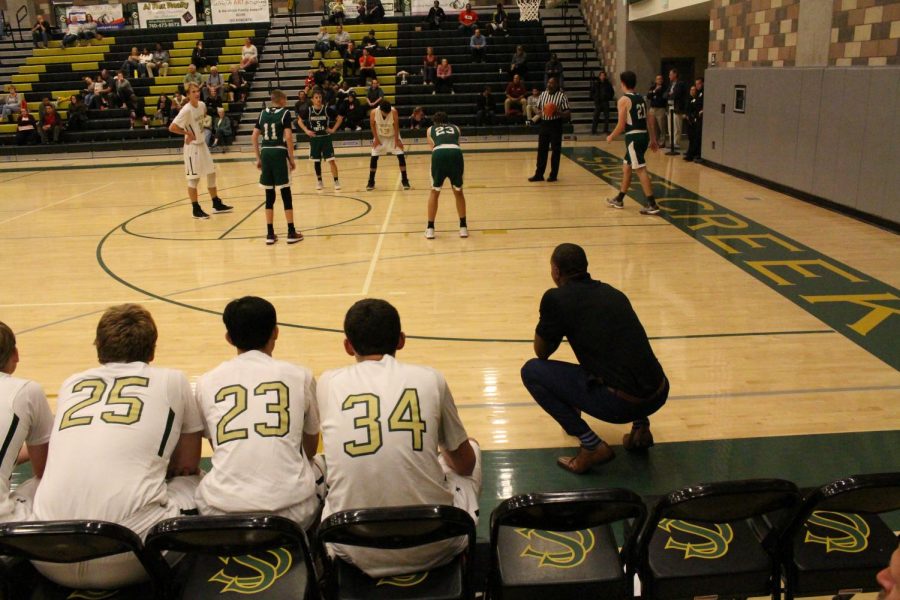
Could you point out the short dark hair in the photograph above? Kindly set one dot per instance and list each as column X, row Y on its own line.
column 629, row 79
column 385, row 106
column 7, row 343
column 700, row 79
column 439, row 118
column 373, row 327
column 126, row 333
column 570, row 259
column 250, row 322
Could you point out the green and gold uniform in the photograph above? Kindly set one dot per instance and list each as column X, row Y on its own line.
column 319, row 121
column 275, row 172
column 446, row 157
column 636, row 137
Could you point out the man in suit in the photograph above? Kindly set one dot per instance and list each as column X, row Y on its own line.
column 677, row 95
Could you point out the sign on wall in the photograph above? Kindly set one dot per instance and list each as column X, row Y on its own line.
column 107, row 16
column 239, row 11
column 170, row 13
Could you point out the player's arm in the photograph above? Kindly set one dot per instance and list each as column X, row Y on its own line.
column 289, row 141
column 338, row 121
column 37, row 454
column 375, row 141
column 461, row 460
column 302, row 125
column 622, row 106
column 566, row 114
column 542, row 348
column 186, row 457
column 396, row 116
column 310, row 444
column 176, row 128
column 255, row 138
column 428, row 137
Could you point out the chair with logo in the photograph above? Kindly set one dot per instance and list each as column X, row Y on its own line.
column 837, row 542
column 562, row 545
column 259, row 554
column 699, row 540
column 72, row 542
column 394, row 528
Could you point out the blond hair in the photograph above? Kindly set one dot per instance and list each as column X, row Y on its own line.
column 278, row 96
column 187, row 88
column 7, row 343
column 126, row 333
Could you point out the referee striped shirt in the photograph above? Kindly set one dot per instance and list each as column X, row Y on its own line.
column 558, row 98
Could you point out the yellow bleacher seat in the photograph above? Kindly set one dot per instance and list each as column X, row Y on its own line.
column 70, row 51
column 25, row 78
column 62, row 59
column 242, row 33
column 8, row 128
column 86, row 66
column 190, row 35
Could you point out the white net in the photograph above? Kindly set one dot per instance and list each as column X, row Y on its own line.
column 529, row 10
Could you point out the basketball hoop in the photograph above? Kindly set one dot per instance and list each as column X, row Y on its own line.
column 529, row 10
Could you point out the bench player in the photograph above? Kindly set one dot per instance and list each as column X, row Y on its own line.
column 446, row 162
column 385, row 124
column 634, row 122
column 275, row 161
column 319, row 122
column 197, row 159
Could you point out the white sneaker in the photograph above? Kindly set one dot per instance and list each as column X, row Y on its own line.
column 319, row 185
column 463, row 232
column 337, row 185
column 429, row 233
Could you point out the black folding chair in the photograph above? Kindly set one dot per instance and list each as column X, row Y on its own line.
column 78, row 541
column 396, row 528
column 836, row 542
column 698, row 541
column 259, row 554
column 562, row 545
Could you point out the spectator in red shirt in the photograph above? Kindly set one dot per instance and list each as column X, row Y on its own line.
column 515, row 96
column 51, row 125
column 468, row 20
column 366, row 67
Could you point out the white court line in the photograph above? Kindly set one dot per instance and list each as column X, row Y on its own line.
column 219, row 299
column 377, row 253
column 40, row 208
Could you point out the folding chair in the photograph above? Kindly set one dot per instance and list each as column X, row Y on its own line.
column 78, row 541
column 396, row 528
column 836, row 542
column 562, row 545
column 259, row 554
column 698, row 541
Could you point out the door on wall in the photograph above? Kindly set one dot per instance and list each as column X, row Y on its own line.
column 684, row 66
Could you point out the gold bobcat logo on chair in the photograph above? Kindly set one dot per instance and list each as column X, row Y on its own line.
column 853, row 531
column 718, row 538
column 268, row 571
column 91, row 594
column 403, row 580
column 558, row 549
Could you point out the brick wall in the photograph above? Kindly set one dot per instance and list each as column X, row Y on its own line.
column 600, row 17
column 754, row 33
column 865, row 32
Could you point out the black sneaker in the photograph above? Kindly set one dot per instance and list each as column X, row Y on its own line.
column 271, row 238
column 294, row 237
column 551, row 179
column 198, row 212
column 220, row 207
column 534, row 178
column 651, row 209
column 405, row 184
column 615, row 202
column 370, row 186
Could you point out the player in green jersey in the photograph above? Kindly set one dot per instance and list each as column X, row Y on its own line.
column 314, row 121
column 446, row 162
column 273, row 143
column 640, row 132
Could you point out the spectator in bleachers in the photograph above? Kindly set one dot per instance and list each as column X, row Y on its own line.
column 418, row 120
column 88, row 91
column 42, row 107
column 602, row 93
column 334, row 76
column 375, row 95
column 107, row 89
column 137, row 112
column 343, row 91
column 249, row 56
column 658, row 104
column 78, row 115
column 12, row 104
column 478, row 46
column 518, row 65
column 553, row 69
column 214, row 83
column 200, row 58
column 96, row 93
column 341, row 41
column 444, row 81
column 238, row 88
column 485, row 108
column 302, row 102
column 336, row 10
column 374, row 11
column 435, row 16
column 163, row 110
column 429, row 66
column 322, row 42
column 192, row 76
column 361, row 12
column 51, row 125
column 310, row 82
column 366, row 67
column 133, row 66
column 351, row 61
column 223, row 133
column 468, row 20
column 329, row 93
column 533, row 107
column 73, row 32
column 40, row 33
column 353, row 112
column 213, row 100
column 89, row 30
column 320, row 75
column 124, row 91
column 515, row 96
column 370, row 43
column 26, row 129
column 159, row 63
column 207, row 129
column 677, row 96
column 498, row 24
column 146, row 59
column 178, row 101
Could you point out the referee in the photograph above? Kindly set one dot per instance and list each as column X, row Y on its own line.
column 551, row 130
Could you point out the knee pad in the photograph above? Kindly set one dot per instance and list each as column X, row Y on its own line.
column 211, row 180
column 192, row 183
column 373, row 162
column 401, row 158
column 286, row 197
column 270, row 199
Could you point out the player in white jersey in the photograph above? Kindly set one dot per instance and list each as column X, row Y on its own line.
column 119, row 429
column 197, row 159
column 395, row 423
column 263, row 424
column 25, row 418
column 385, row 124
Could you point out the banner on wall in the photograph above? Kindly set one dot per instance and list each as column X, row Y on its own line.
column 170, row 13
column 107, row 16
column 451, row 7
column 230, row 12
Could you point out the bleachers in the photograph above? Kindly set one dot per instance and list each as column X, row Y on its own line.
column 57, row 72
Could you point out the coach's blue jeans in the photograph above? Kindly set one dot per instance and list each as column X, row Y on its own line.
column 565, row 391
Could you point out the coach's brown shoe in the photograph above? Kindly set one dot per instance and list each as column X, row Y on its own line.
column 585, row 459
column 638, row 440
